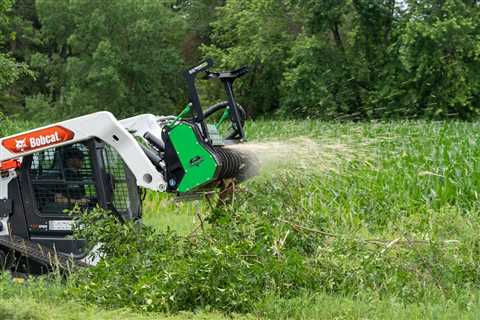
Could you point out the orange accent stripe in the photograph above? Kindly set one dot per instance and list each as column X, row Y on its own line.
column 9, row 165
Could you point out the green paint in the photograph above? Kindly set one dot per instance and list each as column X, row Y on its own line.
column 225, row 116
column 199, row 164
column 180, row 116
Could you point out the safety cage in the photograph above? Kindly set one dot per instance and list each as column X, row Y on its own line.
column 85, row 174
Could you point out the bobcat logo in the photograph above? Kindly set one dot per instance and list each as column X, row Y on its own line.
column 21, row 145
column 38, row 139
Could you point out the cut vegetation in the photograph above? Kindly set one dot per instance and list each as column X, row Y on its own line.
column 353, row 220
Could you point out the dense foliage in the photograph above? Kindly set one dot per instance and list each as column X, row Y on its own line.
column 332, row 59
column 392, row 211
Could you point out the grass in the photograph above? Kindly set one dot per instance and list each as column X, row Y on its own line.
column 22, row 308
column 383, row 171
column 411, row 181
column 27, row 303
column 322, row 306
column 395, row 181
column 42, row 299
column 163, row 212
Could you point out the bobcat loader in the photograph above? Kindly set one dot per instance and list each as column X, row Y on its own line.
column 97, row 160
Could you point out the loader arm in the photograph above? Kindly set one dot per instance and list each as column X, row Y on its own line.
column 100, row 125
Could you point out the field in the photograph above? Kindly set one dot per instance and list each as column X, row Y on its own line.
column 346, row 220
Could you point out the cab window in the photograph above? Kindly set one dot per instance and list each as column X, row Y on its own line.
column 62, row 178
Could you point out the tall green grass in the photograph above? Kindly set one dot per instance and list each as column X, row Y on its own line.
column 382, row 223
column 393, row 213
column 401, row 174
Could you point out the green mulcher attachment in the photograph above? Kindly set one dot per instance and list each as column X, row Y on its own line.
column 196, row 153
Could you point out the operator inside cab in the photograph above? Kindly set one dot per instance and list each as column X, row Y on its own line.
column 72, row 193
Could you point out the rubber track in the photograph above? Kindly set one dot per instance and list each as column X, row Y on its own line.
column 40, row 253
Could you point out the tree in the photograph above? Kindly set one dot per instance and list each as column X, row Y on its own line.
column 356, row 59
column 440, row 52
column 199, row 15
column 10, row 69
column 333, row 68
column 121, row 56
column 257, row 33
column 370, row 58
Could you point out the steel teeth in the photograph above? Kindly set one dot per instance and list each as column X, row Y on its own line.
column 236, row 164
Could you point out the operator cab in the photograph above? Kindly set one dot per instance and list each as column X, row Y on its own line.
column 86, row 174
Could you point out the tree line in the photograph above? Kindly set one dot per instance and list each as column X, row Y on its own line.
column 331, row 59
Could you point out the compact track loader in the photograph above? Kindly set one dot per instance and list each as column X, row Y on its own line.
column 96, row 160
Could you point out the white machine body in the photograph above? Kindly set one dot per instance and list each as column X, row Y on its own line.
column 120, row 135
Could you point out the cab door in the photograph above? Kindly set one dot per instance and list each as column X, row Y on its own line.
column 51, row 189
